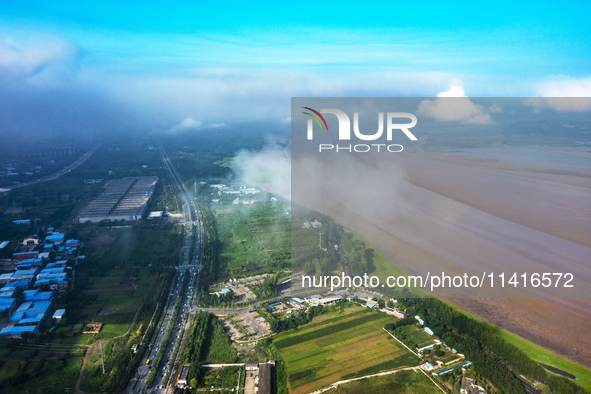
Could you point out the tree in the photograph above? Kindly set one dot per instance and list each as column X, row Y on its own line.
column 193, row 383
column 309, row 267
column 381, row 303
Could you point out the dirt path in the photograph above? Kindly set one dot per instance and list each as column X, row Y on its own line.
column 77, row 388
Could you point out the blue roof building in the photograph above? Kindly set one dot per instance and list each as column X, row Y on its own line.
column 22, row 283
column 17, row 331
column 7, row 303
column 55, row 237
column 31, row 312
column 57, row 264
column 36, row 295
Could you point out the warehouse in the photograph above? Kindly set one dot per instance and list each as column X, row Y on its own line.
column 123, row 199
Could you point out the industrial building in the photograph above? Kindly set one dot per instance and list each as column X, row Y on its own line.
column 182, row 381
column 259, row 378
column 123, row 199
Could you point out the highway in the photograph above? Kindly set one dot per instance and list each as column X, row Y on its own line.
column 189, row 264
column 59, row 173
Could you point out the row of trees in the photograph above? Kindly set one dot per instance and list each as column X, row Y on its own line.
column 193, row 352
column 496, row 359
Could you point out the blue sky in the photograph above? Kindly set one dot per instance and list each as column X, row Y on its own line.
column 222, row 62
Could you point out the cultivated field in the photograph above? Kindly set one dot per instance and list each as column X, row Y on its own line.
column 405, row 382
column 342, row 347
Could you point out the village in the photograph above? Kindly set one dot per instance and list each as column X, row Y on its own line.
column 40, row 268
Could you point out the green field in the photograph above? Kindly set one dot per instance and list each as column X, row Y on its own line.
column 404, row 382
column 50, row 376
column 340, row 347
column 253, row 238
column 418, row 336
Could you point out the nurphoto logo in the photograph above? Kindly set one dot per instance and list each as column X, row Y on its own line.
column 345, row 130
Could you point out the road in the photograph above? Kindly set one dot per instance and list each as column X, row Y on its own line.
column 59, row 173
column 189, row 264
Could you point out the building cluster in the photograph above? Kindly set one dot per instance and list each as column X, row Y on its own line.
column 123, row 199
column 10, row 169
column 238, row 190
column 33, row 312
column 319, row 299
column 314, row 224
column 235, row 188
column 422, row 323
column 37, row 264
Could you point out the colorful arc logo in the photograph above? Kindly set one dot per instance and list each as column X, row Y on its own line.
column 315, row 118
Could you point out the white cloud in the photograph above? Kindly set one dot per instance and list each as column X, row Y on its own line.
column 563, row 94
column 453, row 105
column 269, row 169
column 215, row 126
column 186, row 124
column 495, row 109
column 455, row 90
column 23, row 60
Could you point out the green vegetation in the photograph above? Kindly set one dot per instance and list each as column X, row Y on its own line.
column 321, row 332
column 45, row 376
column 340, row 347
column 412, row 336
column 253, row 238
column 207, row 341
column 537, row 354
column 404, row 382
column 377, row 264
column 490, row 353
column 223, row 378
column 268, row 289
column 306, row 253
column 120, row 362
column 219, row 348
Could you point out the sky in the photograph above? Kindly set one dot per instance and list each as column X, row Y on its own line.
column 111, row 66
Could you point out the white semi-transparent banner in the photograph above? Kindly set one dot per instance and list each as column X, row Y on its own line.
column 450, row 197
